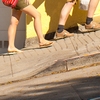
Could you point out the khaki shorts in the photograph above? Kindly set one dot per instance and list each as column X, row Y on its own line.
column 21, row 4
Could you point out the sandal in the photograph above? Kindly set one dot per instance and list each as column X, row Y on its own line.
column 46, row 45
column 14, row 52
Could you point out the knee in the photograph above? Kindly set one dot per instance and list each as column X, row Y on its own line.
column 38, row 15
column 14, row 22
column 72, row 2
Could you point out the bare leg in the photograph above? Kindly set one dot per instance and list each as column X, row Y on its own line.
column 32, row 11
column 60, row 32
column 12, row 30
column 65, row 12
column 92, row 7
column 90, row 24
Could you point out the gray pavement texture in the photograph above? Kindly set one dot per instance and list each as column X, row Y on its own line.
column 81, row 84
column 69, row 70
column 81, row 50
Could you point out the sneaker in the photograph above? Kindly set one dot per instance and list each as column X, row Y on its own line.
column 93, row 26
column 63, row 34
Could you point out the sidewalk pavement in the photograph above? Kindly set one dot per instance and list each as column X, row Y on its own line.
column 81, row 84
column 79, row 51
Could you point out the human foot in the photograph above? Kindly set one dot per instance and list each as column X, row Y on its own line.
column 45, row 43
column 93, row 26
column 14, row 50
column 63, row 34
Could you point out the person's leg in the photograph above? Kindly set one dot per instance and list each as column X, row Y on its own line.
column 63, row 18
column 65, row 12
column 64, row 15
column 32, row 11
column 12, row 30
column 92, row 7
column 91, row 10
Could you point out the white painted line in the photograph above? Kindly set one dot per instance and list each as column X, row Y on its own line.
column 97, row 98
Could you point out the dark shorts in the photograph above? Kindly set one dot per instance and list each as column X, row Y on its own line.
column 21, row 4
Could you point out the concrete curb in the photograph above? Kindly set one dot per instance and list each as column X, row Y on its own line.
column 74, row 63
column 55, row 67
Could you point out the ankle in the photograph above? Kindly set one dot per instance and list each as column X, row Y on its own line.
column 60, row 28
column 89, row 20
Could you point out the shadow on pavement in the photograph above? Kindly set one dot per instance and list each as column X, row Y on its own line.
column 75, row 89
